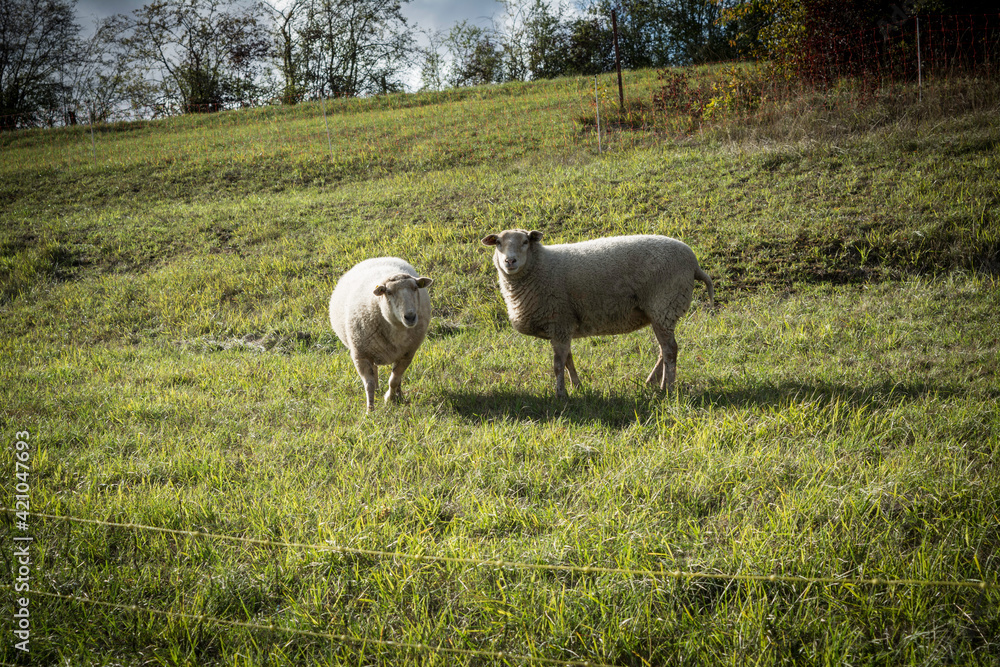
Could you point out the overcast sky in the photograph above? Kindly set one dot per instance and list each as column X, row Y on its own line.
column 426, row 14
column 429, row 15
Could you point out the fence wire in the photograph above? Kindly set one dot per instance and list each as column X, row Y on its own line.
column 333, row 637
column 442, row 648
column 500, row 563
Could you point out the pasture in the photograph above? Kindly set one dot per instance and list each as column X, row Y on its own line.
column 822, row 488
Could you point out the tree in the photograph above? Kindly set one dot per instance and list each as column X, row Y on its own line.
column 548, row 39
column 744, row 23
column 432, row 61
column 477, row 57
column 810, row 36
column 643, row 31
column 353, row 47
column 536, row 41
column 695, row 33
column 660, row 33
column 284, row 25
column 198, row 55
column 590, row 49
column 38, row 45
column 102, row 83
column 509, row 34
column 532, row 39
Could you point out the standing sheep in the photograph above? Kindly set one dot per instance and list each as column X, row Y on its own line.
column 606, row 286
column 380, row 310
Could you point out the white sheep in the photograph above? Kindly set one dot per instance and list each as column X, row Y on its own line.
column 606, row 286
column 380, row 310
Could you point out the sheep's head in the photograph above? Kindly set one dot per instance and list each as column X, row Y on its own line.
column 399, row 298
column 512, row 249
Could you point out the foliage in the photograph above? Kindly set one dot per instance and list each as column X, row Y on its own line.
column 284, row 28
column 659, row 33
column 730, row 91
column 546, row 34
column 537, row 40
column 477, row 56
column 176, row 55
column 431, row 61
column 105, row 85
column 351, row 47
column 38, row 46
column 815, row 39
column 197, row 55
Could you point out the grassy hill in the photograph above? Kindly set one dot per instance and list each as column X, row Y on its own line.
column 165, row 342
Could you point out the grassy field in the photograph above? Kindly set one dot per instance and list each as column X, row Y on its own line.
column 165, row 342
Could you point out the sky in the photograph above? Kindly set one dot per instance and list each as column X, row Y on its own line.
column 426, row 14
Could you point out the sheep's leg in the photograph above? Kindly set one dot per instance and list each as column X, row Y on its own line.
column 560, row 354
column 395, row 392
column 668, row 356
column 369, row 376
column 657, row 372
column 572, row 371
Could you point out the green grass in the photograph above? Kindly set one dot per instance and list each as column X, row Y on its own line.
column 163, row 296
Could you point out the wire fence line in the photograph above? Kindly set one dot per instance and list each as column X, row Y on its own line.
column 520, row 565
column 333, row 637
column 442, row 648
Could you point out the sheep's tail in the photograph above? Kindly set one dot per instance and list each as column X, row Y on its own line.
column 704, row 277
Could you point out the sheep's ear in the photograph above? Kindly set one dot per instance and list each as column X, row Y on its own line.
column 423, row 281
column 492, row 239
column 379, row 291
column 534, row 237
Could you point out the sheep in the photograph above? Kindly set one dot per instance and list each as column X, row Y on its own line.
column 600, row 287
column 380, row 310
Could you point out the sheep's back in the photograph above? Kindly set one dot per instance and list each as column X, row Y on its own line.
column 612, row 284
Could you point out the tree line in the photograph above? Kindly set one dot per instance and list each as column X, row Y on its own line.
column 183, row 56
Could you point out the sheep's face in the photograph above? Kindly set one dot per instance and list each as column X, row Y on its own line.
column 399, row 299
column 512, row 249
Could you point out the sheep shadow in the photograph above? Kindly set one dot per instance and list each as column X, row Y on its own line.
column 621, row 409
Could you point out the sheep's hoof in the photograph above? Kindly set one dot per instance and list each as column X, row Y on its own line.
column 396, row 397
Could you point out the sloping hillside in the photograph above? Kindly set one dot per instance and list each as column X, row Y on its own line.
column 211, row 489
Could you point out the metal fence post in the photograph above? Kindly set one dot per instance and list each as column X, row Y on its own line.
column 329, row 144
column 920, row 66
column 93, row 146
column 618, row 63
column 597, row 102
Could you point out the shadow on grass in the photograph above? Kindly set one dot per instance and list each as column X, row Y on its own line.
column 874, row 396
column 620, row 410
column 615, row 410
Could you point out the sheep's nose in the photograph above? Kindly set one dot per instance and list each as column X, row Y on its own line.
column 510, row 261
column 410, row 318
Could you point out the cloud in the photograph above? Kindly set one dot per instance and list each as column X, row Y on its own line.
column 442, row 14
column 89, row 10
column 426, row 14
